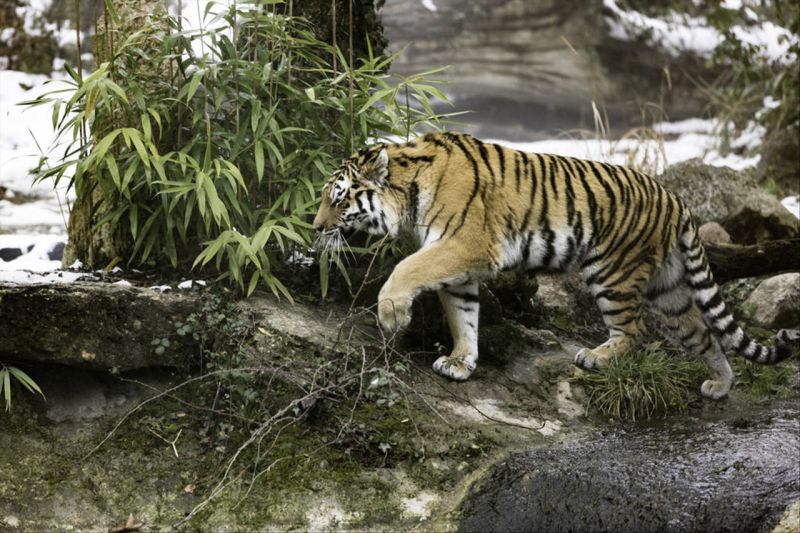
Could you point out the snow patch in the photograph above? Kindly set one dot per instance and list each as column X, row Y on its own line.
column 36, row 252
column 792, row 204
column 693, row 138
column 429, row 5
column 161, row 288
column 24, row 277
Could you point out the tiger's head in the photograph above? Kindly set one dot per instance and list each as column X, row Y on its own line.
column 354, row 197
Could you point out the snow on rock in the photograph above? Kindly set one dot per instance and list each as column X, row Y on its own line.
column 24, row 277
column 35, row 253
column 792, row 204
column 677, row 33
column 161, row 288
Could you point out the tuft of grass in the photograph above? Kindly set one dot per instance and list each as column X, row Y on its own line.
column 641, row 385
column 762, row 381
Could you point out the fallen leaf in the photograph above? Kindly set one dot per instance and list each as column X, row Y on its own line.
column 130, row 525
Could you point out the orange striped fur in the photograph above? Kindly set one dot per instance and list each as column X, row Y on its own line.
column 478, row 208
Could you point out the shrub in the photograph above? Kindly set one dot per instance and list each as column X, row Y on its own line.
column 214, row 159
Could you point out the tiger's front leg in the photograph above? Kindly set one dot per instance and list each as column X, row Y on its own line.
column 431, row 268
column 461, row 307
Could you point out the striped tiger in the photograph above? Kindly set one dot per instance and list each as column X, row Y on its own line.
column 477, row 208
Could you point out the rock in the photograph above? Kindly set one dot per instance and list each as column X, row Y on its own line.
column 92, row 325
column 520, row 62
column 780, row 160
column 680, row 476
column 712, row 232
column 9, row 254
column 733, row 199
column 775, row 303
column 790, row 521
column 555, row 293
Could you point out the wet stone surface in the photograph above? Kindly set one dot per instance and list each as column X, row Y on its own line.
column 735, row 474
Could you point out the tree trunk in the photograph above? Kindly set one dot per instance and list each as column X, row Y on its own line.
column 730, row 261
column 102, row 246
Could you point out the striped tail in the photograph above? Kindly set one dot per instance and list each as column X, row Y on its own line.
column 706, row 295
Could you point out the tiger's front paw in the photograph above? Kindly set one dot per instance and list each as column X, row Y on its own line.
column 456, row 367
column 394, row 313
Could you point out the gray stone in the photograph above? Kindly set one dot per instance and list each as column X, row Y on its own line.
column 734, row 199
column 712, row 232
column 775, row 303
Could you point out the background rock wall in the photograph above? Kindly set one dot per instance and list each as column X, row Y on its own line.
column 544, row 62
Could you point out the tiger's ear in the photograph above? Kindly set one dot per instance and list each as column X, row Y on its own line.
column 375, row 166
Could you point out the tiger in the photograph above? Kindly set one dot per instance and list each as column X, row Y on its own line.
column 477, row 208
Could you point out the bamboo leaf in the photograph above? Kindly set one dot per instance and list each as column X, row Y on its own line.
column 25, row 380
column 259, row 154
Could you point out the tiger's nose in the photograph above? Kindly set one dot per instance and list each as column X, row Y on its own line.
column 319, row 227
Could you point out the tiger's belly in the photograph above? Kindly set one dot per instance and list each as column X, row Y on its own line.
column 543, row 249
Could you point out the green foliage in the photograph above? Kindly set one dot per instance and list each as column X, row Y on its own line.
column 641, row 385
column 748, row 77
column 762, row 381
column 213, row 160
column 8, row 372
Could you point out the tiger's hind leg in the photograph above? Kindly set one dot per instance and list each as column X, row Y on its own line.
column 620, row 302
column 461, row 308
column 687, row 327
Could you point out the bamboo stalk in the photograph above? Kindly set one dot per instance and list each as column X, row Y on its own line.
column 350, row 68
column 333, row 25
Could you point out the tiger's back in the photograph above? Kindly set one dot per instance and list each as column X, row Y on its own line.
column 477, row 208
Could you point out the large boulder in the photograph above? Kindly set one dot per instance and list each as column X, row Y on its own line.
column 775, row 303
column 734, row 199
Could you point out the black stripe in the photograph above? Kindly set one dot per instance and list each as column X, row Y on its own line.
column 475, row 178
column 485, row 156
column 501, row 156
column 687, row 337
column 414, row 201
column 465, row 296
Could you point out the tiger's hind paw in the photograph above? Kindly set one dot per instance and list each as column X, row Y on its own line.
column 591, row 359
column 716, row 388
column 458, row 367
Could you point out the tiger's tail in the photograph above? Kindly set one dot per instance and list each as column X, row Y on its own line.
column 707, row 297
